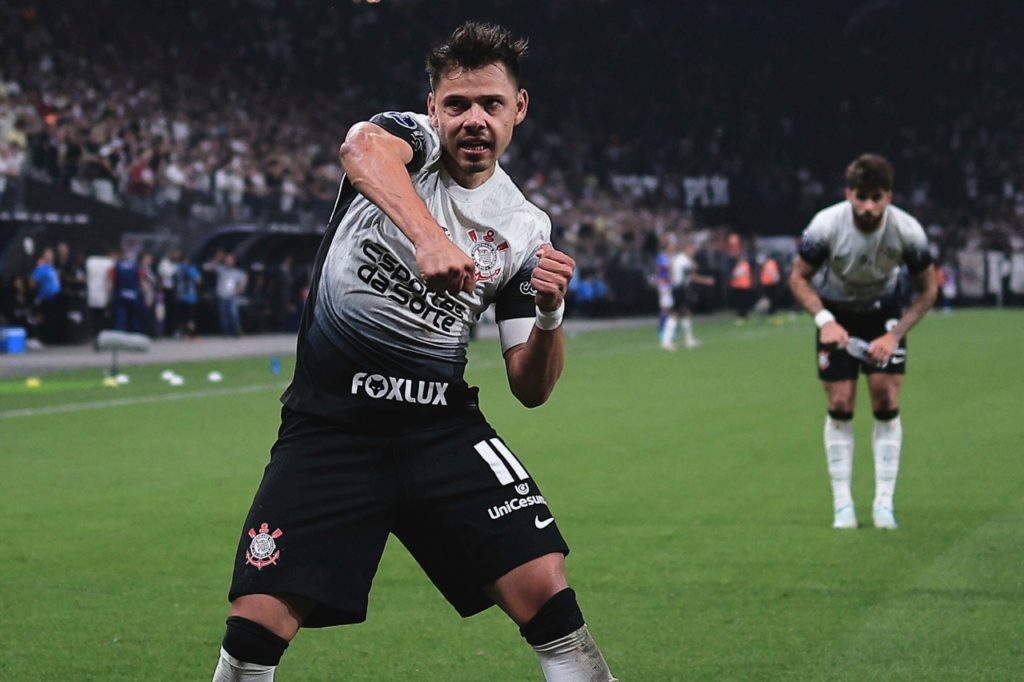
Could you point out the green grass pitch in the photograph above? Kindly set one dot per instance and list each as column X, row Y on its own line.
column 691, row 486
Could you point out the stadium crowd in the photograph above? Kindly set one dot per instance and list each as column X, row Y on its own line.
column 653, row 121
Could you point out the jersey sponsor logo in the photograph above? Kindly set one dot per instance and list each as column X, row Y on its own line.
column 385, row 274
column 484, row 252
column 514, row 505
column 417, row 391
column 263, row 549
column 541, row 525
column 523, row 488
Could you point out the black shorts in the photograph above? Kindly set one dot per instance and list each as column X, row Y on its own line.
column 835, row 364
column 682, row 299
column 456, row 497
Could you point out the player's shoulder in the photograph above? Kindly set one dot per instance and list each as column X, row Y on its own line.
column 907, row 225
column 832, row 216
column 415, row 129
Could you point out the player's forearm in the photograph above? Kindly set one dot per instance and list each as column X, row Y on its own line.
column 376, row 168
column 804, row 294
column 535, row 366
column 925, row 299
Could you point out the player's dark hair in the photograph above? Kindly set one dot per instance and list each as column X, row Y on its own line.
column 473, row 45
column 868, row 172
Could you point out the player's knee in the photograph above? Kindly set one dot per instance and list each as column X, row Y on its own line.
column 250, row 642
column 885, row 401
column 281, row 614
column 840, row 401
column 559, row 617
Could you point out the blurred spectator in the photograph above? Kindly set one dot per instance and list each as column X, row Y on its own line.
column 186, row 291
column 741, row 287
column 46, row 283
column 166, row 271
column 231, row 283
column 148, row 320
column 771, row 282
column 126, row 294
column 98, row 276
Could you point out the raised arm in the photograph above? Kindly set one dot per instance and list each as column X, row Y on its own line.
column 375, row 162
column 533, row 367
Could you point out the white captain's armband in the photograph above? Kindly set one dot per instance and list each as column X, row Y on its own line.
column 514, row 331
column 550, row 320
column 822, row 318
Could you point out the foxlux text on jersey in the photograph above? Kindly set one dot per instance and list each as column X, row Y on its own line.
column 387, row 276
column 378, row 387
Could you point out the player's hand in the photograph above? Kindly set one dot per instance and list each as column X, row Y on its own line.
column 551, row 277
column 882, row 348
column 444, row 266
column 833, row 334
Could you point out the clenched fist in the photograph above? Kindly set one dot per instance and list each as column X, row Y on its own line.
column 551, row 277
column 444, row 267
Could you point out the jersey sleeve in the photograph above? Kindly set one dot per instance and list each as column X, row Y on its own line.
column 414, row 129
column 814, row 245
column 916, row 254
column 515, row 307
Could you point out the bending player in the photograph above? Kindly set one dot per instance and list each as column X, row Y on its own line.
column 856, row 248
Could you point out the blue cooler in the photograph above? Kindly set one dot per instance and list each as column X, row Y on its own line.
column 12, row 340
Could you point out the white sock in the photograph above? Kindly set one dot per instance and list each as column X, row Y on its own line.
column 887, row 439
column 839, row 451
column 688, row 329
column 230, row 669
column 668, row 332
column 573, row 658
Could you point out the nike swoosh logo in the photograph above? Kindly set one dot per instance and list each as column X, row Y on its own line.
column 895, row 360
column 543, row 524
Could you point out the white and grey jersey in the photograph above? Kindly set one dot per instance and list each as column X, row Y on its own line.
column 368, row 299
column 857, row 268
column 680, row 269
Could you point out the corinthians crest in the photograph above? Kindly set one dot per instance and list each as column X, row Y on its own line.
column 484, row 252
column 263, row 550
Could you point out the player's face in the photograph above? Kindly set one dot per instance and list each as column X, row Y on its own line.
column 868, row 207
column 474, row 113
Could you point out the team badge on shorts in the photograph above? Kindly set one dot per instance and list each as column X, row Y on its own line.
column 823, row 360
column 263, row 550
column 484, row 253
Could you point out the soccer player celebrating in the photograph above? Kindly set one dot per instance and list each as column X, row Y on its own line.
column 380, row 432
column 858, row 245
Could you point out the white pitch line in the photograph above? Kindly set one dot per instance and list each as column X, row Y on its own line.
column 750, row 334
column 139, row 400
